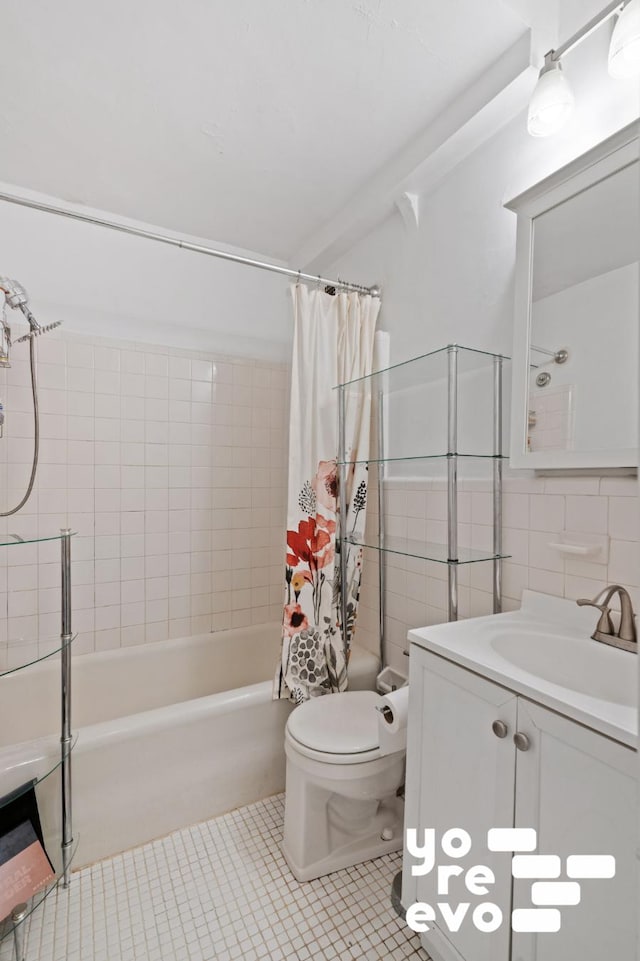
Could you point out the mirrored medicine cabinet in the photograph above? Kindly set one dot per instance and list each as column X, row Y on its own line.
column 576, row 352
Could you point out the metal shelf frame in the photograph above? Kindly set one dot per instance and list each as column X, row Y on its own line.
column 452, row 455
column 23, row 911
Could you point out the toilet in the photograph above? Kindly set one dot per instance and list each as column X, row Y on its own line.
column 342, row 805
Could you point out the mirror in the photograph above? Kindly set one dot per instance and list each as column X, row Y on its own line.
column 575, row 386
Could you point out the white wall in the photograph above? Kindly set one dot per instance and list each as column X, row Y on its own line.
column 451, row 280
column 109, row 284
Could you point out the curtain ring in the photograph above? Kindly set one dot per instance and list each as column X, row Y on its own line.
column 298, row 280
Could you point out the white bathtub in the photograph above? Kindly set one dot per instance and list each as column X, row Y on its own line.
column 169, row 734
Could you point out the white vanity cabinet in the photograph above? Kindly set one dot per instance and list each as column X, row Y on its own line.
column 578, row 789
column 574, row 786
column 459, row 775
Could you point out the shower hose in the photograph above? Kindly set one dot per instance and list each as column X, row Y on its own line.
column 36, row 435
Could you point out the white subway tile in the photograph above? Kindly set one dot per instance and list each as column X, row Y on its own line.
column 623, row 518
column 107, row 570
column 481, row 508
column 132, row 362
column 132, row 568
column 80, row 355
column 132, row 614
column 133, row 591
column 572, row 485
column 22, row 603
column 587, row 514
column 107, row 382
column 624, row 563
column 52, row 375
column 107, row 595
column 106, row 359
column 515, row 510
column 541, row 556
column 80, row 380
column 547, row 512
column 180, row 367
column 202, row 370
column 575, row 587
column 546, row 582
column 620, row 486
column 157, row 365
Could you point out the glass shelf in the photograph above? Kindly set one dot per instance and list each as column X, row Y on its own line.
column 426, row 551
column 51, row 650
column 412, row 406
column 421, row 457
column 24, row 788
column 10, row 540
column 409, row 372
column 7, row 926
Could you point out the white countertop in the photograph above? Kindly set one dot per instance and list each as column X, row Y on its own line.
column 596, row 685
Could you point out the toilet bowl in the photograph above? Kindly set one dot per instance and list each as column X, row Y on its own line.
column 341, row 804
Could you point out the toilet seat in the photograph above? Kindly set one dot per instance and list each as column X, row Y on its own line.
column 340, row 729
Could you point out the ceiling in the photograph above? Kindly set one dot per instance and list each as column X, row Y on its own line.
column 243, row 122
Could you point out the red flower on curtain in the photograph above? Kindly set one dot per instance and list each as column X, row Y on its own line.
column 325, row 484
column 312, row 544
column 295, row 619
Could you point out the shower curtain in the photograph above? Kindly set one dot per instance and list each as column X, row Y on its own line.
column 333, row 343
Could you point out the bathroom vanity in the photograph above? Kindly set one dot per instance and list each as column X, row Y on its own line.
column 521, row 720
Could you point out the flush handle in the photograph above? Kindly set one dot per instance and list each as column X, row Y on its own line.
column 500, row 729
column 521, row 741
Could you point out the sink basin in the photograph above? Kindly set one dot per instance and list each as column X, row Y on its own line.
column 544, row 652
column 595, row 669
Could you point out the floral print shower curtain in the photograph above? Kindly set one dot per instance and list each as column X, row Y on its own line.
column 333, row 343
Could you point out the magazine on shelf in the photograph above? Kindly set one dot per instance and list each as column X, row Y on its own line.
column 25, row 867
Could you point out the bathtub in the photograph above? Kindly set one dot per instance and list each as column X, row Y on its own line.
column 168, row 734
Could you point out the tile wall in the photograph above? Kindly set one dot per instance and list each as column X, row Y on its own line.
column 536, row 510
column 171, row 466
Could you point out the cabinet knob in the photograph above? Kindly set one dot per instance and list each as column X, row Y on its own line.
column 521, row 741
column 500, row 729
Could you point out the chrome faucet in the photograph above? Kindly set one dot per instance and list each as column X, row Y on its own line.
column 626, row 637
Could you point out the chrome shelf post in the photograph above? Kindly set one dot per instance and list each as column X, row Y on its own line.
column 342, row 493
column 382, row 571
column 452, row 480
column 497, row 484
column 65, row 681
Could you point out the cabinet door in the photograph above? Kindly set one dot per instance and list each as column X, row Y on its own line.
column 578, row 789
column 459, row 775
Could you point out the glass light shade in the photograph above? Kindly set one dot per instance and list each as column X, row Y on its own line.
column 624, row 50
column 551, row 102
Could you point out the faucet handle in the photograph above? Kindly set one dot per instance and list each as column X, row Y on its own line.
column 605, row 624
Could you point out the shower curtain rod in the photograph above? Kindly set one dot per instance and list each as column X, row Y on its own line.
column 185, row 244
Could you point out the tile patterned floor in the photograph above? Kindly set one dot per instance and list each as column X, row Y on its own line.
column 220, row 891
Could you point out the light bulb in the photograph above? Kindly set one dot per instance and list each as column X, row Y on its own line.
column 551, row 101
column 624, row 49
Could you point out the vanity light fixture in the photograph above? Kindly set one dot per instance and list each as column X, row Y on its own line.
column 624, row 50
column 552, row 99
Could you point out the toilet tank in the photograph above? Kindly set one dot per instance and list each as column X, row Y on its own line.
column 363, row 669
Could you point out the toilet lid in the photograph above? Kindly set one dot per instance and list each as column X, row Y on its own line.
column 337, row 723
